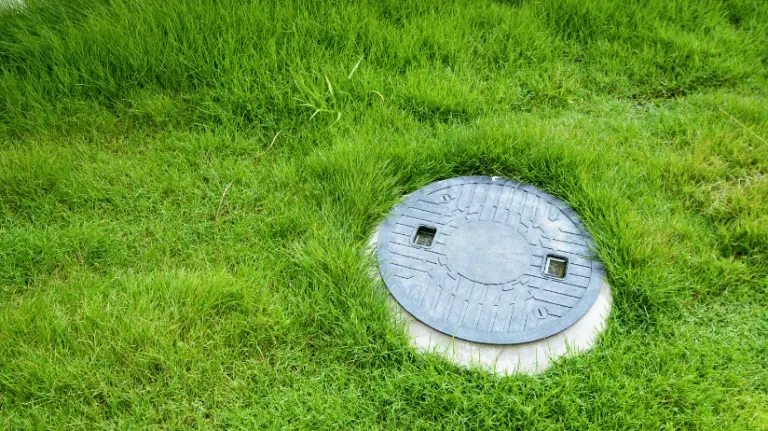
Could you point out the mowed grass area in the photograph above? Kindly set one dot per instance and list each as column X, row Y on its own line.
column 187, row 189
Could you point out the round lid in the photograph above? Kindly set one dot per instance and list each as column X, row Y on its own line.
column 489, row 260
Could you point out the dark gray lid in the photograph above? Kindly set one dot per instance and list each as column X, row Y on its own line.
column 489, row 260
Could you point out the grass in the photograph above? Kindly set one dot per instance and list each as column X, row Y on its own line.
column 187, row 190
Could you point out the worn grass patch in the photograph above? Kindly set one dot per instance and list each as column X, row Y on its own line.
column 187, row 190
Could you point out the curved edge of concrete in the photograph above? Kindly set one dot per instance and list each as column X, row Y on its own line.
column 529, row 358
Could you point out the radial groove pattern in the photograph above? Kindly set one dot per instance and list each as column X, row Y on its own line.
column 483, row 276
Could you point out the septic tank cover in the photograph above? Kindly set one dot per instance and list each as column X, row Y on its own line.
column 489, row 260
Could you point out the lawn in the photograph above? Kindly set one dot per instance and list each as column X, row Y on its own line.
column 187, row 190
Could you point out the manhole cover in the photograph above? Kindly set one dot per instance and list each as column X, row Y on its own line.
column 489, row 260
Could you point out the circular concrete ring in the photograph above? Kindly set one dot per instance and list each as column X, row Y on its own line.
column 502, row 359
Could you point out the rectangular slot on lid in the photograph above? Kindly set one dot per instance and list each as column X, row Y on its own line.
column 425, row 235
column 555, row 266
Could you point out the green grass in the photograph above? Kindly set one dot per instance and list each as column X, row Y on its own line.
column 136, row 294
